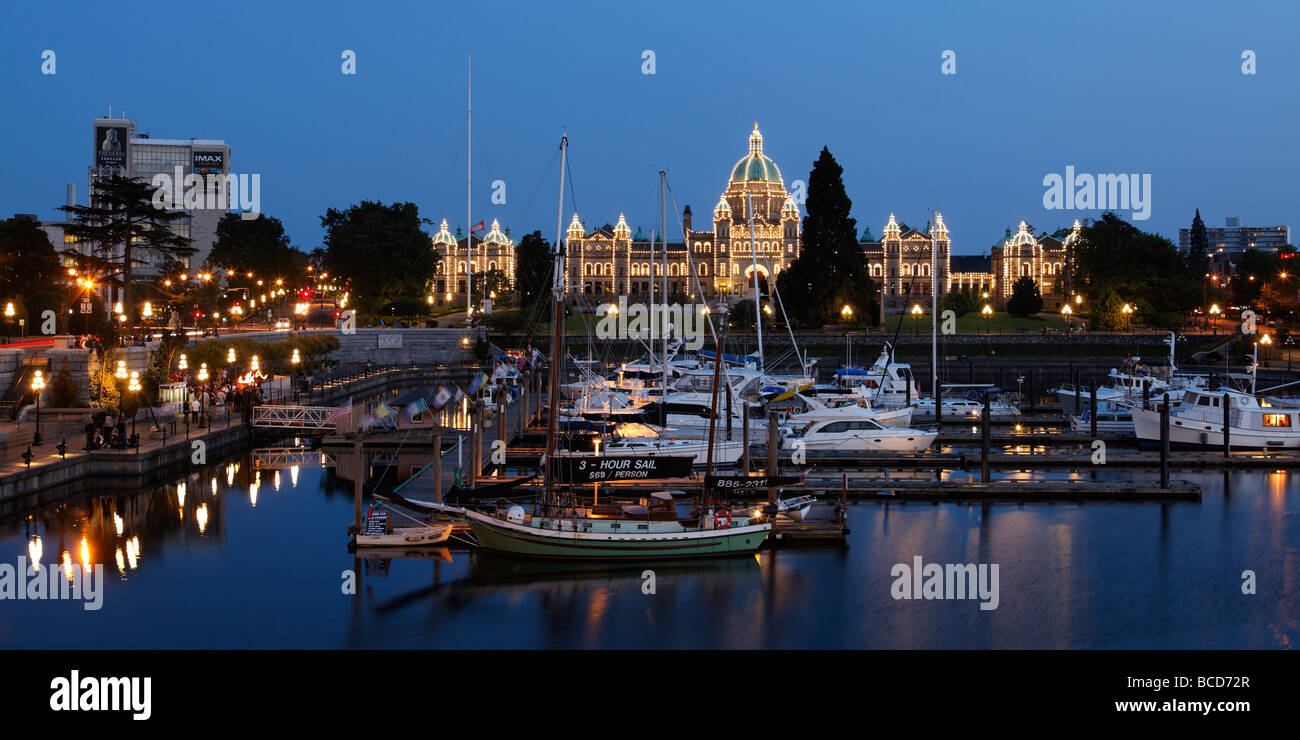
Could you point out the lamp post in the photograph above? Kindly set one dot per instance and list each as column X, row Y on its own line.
column 1215, row 311
column 133, row 386
column 1127, row 310
column 987, row 312
column 38, row 385
column 9, row 321
column 1066, row 311
column 846, row 313
column 1266, row 340
column 916, row 318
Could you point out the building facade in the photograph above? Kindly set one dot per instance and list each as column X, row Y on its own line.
column 492, row 252
column 1233, row 238
column 119, row 150
column 1043, row 258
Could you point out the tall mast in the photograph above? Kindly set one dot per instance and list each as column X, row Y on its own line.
column 663, row 231
column 758, row 297
column 557, row 333
column 469, row 206
column 934, row 309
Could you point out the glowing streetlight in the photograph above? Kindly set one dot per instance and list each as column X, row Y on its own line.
column 38, row 385
column 254, row 365
column 296, row 358
column 916, row 318
column 987, row 311
column 203, row 372
column 184, row 362
column 121, row 373
column 846, row 312
column 147, row 311
column 230, row 356
column 9, row 310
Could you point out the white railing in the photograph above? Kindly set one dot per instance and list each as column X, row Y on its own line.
column 294, row 417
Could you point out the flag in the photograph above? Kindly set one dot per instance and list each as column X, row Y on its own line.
column 441, row 398
column 381, row 411
column 476, row 383
column 344, row 410
column 480, row 226
column 416, row 407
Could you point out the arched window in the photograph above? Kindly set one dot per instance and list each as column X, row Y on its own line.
column 704, row 269
column 907, row 271
column 925, row 271
column 1024, row 269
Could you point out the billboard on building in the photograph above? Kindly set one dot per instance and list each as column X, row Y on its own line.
column 209, row 163
column 110, row 146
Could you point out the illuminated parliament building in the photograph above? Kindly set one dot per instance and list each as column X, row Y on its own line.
column 611, row 260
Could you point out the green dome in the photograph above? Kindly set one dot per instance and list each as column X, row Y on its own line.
column 756, row 167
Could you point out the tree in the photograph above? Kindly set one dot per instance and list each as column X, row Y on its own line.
column 1198, row 252
column 1113, row 255
column 490, row 282
column 29, row 267
column 1254, row 268
column 959, row 302
column 1025, row 299
column 533, row 265
column 257, row 245
column 120, row 221
column 381, row 250
column 831, row 270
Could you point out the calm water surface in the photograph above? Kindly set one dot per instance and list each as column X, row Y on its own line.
column 258, row 564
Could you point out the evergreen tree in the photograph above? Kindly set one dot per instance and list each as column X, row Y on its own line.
column 831, row 270
column 29, row 269
column 533, row 265
column 121, row 220
column 1025, row 299
column 381, row 250
column 1198, row 253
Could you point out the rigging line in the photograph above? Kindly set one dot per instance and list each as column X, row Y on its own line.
column 690, row 261
column 537, row 190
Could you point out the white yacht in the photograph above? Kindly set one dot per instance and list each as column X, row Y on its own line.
column 847, row 408
column 1196, row 420
column 862, row 435
column 643, row 440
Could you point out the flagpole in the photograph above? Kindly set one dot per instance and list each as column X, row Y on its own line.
column 469, row 206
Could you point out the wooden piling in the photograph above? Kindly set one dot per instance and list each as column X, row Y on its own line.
column 437, row 463
column 984, row 440
column 1227, row 421
column 475, row 446
column 1092, row 405
column 1164, row 442
column 358, row 478
column 772, row 441
column 745, row 438
column 1032, row 396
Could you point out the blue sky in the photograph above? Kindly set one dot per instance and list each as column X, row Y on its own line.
column 1105, row 87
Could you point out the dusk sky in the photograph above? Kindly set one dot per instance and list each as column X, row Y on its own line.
column 1104, row 87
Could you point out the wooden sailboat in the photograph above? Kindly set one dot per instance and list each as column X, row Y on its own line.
column 562, row 528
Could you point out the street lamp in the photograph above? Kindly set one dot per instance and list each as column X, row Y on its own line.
column 9, row 320
column 203, row 372
column 847, row 312
column 1127, row 310
column 183, row 363
column 1215, row 311
column 1065, row 311
column 916, row 318
column 230, row 356
column 987, row 311
column 121, row 373
column 133, row 385
column 38, row 385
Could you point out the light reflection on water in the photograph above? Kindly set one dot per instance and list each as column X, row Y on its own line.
column 236, row 556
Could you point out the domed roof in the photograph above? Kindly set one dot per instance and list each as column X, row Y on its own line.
column 444, row 237
column 1022, row 238
column 722, row 211
column 621, row 229
column 495, row 236
column 756, row 167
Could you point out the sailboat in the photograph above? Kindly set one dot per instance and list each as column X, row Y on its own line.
column 564, row 528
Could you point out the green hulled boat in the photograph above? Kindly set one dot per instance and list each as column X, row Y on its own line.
column 630, row 537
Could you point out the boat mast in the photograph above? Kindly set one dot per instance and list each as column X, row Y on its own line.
column 753, row 253
column 934, row 307
column 469, row 206
column 721, row 341
column 557, row 331
column 663, row 236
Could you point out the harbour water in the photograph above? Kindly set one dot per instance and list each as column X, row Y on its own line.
column 240, row 558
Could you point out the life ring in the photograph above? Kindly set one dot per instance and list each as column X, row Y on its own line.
column 717, row 519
